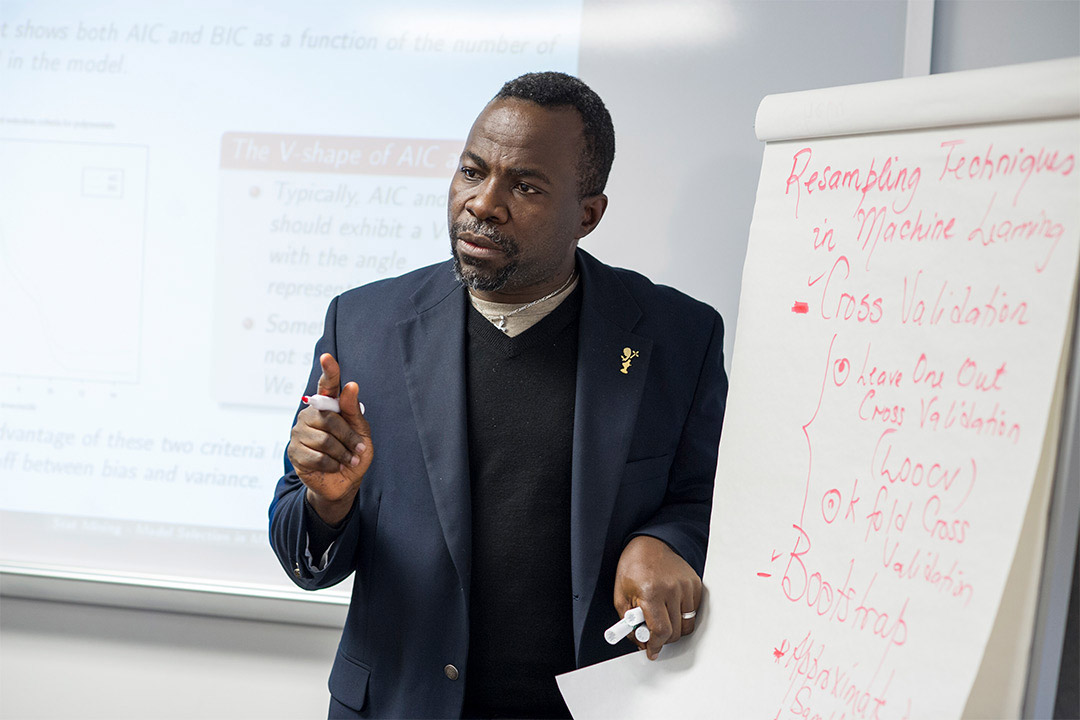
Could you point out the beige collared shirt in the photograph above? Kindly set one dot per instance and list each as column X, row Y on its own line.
column 520, row 322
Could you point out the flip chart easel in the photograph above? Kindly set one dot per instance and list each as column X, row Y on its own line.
column 897, row 396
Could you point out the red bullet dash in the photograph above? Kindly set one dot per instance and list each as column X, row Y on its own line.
column 801, row 308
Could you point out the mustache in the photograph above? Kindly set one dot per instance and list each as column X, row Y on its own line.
column 474, row 226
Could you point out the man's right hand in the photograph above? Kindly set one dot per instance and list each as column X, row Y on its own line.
column 332, row 451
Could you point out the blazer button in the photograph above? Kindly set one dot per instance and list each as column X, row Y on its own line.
column 451, row 672
column 296, row 570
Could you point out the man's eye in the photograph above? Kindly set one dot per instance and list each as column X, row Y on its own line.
column 469, row 172
column 526, row 189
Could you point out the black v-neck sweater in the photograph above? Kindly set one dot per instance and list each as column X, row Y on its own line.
column 521, row 394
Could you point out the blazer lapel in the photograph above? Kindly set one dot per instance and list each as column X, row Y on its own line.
column 606, row 411
column 607, row 402
column 433, row 345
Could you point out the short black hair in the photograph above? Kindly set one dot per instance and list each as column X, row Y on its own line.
column 556, row 89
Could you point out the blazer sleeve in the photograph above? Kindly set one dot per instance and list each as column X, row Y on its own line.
column 683, row 518
column 290, row 527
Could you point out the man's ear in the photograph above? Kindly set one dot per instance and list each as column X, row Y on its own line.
column 592, row 209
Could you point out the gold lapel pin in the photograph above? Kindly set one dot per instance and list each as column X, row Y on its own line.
column 627, row 356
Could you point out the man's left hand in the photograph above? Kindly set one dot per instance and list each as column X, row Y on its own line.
column 655, row 578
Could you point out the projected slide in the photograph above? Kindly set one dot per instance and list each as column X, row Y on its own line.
column 183, row 190
column 71, row 247
column 304, row 218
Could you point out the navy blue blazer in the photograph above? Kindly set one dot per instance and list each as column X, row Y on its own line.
column 644, row 460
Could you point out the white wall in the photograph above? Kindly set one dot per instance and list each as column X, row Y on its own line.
column 68, row 660
column 972, row 34
column 683, row 103
column 61, row 660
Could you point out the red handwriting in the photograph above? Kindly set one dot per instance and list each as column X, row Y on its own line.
column 832, row 501
column 982, row 311
column 948, row 529
column 950, row 583
column 925, row 375
column 875, row 226
column 833, row 602
column 915, row 473
column 862, row 181
column 877, row 376
column 898, row 517
column 870, row 411
column 830, row 505
column 987, row 166
column 1004, row 231
column 886, row 490
column 970, row 376
column 865, row 309
column 841, row 366
column 824, row 240
column 967, row 417
column 827, row 682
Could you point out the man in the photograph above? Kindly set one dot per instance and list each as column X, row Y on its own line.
column 536, row 447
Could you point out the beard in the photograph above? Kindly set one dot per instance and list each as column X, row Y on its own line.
column 479, row 274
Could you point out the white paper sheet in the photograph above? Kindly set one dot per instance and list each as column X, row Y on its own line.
column 1011, row 93
column 903, row 312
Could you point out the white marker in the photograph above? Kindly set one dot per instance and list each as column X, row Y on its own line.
column 325, row 402
column 630, row 621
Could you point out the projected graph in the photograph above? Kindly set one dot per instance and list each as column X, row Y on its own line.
column 71, row 248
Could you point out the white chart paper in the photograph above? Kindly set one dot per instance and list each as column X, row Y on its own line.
column 904, row 306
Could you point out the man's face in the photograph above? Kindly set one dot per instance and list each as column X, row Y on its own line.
column 514, row 209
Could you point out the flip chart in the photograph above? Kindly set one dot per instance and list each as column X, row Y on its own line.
column 906, row 299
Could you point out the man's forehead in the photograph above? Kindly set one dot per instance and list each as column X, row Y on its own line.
column 521, row 125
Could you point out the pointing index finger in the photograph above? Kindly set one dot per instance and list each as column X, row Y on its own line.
column 330, row 380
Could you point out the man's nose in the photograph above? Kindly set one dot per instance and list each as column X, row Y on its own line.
column 488, row 203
